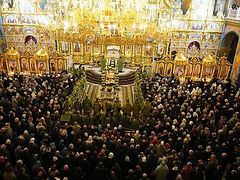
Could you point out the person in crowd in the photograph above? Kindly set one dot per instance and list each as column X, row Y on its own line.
column 162, row 171
column 181, row 131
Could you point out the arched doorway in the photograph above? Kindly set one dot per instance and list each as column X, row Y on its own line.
column 194, row 43
column 230, row 42
column 29, row 38
column 229, row 47
column 193, row 48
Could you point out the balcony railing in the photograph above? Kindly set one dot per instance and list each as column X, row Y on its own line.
column 233, row 14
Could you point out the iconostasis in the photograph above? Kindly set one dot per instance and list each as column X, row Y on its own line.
column 40, row 63
column 194, row 68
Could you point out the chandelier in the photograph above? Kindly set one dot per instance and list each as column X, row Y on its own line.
column 110, row 17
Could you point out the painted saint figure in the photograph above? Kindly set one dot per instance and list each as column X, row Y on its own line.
column 24, row 66
column 13, row 65
column 53, row 68
column 42, row 67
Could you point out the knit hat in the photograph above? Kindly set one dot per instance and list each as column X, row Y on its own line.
column 20, row 162
column 8, row 141
column 77, row 155
column 2, row 159
column 102, row 152
column 32, row 140
column 111, row 155
column 208, row 149
column 52, row 144
column 53, row 167
column 144, row 159
column 168, row 146
column 55, row 158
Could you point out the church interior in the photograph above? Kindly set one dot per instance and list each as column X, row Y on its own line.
column 119, row 89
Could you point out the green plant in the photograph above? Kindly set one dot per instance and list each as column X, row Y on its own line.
column 78, row 91
column 120, row 64
column 139, row 94
column 103, row 63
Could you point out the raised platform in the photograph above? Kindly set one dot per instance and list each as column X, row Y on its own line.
column 126, row 83
column 93, row 75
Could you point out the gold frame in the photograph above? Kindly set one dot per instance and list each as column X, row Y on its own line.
column 53, row 61
column 1, row 62
column 42, row 57
column 190, row 63
column 33, row 64
column 196, row 76
column 169, row 66
column 180, row 62
column 26, row 65
column 53, row 58
column 60, row 69
column 209, row 62
column 160, row 64
column 45, row 68
column 13, row 55
column 225, row 68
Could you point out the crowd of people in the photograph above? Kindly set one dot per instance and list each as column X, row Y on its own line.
column 185, row 131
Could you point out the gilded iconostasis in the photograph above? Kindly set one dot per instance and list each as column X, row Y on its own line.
column 82, row 31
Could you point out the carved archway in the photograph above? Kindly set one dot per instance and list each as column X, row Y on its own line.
column 230, row 42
